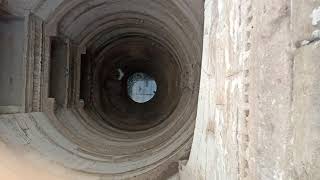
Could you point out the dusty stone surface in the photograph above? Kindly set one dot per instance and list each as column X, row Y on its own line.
column 221, row 137
column 303, row 157
column 258, row 106
column 265, row 128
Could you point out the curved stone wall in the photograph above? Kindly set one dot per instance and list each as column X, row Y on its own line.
column 89, row 124
column 65, row 113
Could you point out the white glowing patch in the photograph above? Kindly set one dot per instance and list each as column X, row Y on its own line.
column 315, row 16
column 121, row 74
column 141, row 87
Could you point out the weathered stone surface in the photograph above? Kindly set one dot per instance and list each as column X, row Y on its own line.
column 220, row 141
column 248, row 122
column 105, row 135
column 303, row 159
column 258, row 105
column 12, row 79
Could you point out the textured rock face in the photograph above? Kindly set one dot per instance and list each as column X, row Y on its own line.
column 257, row 110
column 257, row 114
column 220, row 143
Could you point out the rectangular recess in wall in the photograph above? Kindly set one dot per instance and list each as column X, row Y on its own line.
column 59, row 71
column 12, row 67
column 85, row 77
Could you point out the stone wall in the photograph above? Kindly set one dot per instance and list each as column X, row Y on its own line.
column 258, row 113
column 258, row 109
column 12, row 77
column 221, row 137
column 34, row 67
column 110, row 136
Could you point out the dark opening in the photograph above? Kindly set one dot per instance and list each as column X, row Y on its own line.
column 59, row 71
column 85, row 78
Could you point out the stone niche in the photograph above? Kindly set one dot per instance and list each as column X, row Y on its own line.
column 12, row 66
